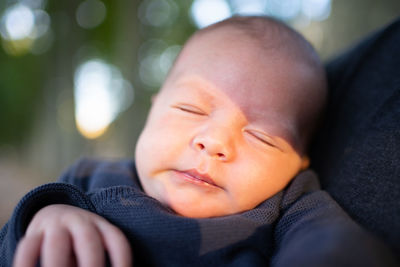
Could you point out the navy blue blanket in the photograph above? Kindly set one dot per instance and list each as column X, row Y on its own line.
column 357, row 151
column 299, row 226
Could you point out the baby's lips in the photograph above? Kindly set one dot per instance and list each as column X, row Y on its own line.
column 200, row 176
column 195, row 175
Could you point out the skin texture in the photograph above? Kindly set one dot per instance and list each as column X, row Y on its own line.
column 233, row 120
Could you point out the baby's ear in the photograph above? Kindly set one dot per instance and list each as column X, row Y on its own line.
column 305, row 162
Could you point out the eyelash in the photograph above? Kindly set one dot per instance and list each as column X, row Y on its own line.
column 261, row 139
column 190, row 109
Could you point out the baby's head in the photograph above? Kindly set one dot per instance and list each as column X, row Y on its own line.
column 230, row 126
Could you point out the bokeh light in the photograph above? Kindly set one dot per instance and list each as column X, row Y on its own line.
column 168, row 57
column 158, row 13
column 316, row 9
column 21, row 27
column 155, row 60
column 42, row 44
column 90, row 13
column 284, row 9
column 42, row 24
column 206, row 12
column 34, row 4
column 149, row 54
column 100, row 94
column 18, row 22
column 249, row 7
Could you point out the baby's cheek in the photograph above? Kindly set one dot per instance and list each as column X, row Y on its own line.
column 255, row 180
column 159, row 144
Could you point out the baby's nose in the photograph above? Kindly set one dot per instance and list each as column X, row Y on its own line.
column 216, row 144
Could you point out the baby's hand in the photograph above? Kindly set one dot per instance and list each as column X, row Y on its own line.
column 67, row 236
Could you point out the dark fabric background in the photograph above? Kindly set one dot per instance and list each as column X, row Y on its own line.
column 357, row 150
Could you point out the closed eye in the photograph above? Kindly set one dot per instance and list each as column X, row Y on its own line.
column 190, row 109
column 262, row 138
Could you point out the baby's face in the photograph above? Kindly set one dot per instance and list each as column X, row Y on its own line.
column 221, row 135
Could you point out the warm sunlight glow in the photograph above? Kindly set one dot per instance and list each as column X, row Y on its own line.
column 100, row 95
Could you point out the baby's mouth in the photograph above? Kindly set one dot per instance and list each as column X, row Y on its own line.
column 194, row 176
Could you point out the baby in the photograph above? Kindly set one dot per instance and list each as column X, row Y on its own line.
column 231, row 123
column 214, row 179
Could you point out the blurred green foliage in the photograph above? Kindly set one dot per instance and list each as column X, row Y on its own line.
column 20, row 88
column 24, row 78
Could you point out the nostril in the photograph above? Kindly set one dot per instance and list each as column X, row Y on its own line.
column 220, row 155
column 211, row 149
column 201, row 146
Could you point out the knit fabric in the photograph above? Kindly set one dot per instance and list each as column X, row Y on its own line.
column 300, row 224
column 356, row 153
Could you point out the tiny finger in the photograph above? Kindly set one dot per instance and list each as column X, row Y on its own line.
column 28, row 251
column 56, row 249
column 88, row 246
column 116, row 244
